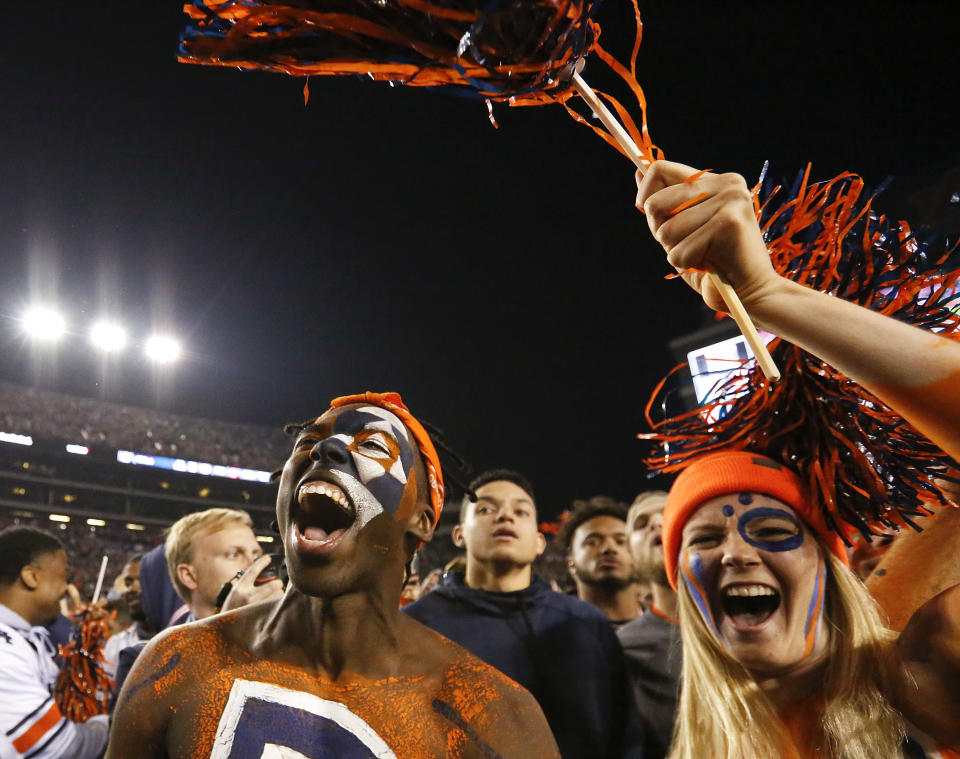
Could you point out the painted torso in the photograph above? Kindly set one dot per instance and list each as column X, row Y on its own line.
column 224, row 702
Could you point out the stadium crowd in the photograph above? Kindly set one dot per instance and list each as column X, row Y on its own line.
column 725, row 618
column 84, row 421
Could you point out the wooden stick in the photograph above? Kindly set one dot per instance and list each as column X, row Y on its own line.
column 103, row 571
column 730, row 298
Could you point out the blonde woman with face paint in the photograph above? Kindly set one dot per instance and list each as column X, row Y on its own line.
column 785, row 653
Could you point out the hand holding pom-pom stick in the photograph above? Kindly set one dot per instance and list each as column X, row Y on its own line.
column 731, row 300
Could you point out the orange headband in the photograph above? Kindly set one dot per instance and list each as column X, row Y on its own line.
column 736, row 472
column 393, row 403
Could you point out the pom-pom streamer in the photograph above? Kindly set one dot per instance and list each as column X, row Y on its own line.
column 83, row 687
column 869, row 468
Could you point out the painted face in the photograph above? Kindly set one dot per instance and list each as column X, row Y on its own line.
column 599, row 553
column 501, row 526
column 646, row 545
column 354, row 464
column 757, row 576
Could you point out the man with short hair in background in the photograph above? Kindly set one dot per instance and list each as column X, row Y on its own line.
column 598, row 558
column 33, row 578
column 560, row 649
column 652, row 642
column 207, row 549
column 204, row 551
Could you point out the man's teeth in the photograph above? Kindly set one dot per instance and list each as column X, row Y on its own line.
column 330, row 491
column 749, row 590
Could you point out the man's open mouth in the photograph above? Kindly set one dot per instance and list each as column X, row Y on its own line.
column 504, row 532
column 324, row 512
column 749, row 604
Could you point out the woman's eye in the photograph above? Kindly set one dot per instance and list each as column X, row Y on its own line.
column 700, row 540
column 774, row 533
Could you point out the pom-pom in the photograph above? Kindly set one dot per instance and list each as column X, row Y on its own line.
column 510, row 49
column 869, row 468
column 522, row 52
column 83, row 687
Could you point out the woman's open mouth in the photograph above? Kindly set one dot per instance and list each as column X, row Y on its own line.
column 749, row 605
column 323, row 516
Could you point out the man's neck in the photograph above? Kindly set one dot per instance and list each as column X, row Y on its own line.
column 357, row 632
column 201, row 609
column 619, row 604
column 665, row 599
column 498, row 578
column 16, row 604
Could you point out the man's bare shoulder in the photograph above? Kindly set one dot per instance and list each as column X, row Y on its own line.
column 496, row 715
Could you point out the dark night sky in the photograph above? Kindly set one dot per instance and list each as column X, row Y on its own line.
column 390, row 238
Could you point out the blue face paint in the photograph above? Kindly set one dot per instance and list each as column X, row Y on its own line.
column 695, row 578
column 745, row 498
column 728, row 510
column 811, row 628
column 787, row 542
column 376, row 451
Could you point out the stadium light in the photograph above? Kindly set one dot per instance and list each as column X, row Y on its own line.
column 162, row 350
column 135, row 527
column 59, row 518
column 43, row 324
column 96, row 523
column 108, row 337
column 265, row 538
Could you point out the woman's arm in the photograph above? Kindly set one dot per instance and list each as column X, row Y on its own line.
column 915, row 372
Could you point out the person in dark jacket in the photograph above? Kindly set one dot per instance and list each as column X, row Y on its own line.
column 651, row 642
column 562, row 650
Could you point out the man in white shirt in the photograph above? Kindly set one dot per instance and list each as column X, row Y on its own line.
column 33, row 577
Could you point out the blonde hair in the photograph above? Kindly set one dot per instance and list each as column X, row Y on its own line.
column 650, row 500
column 723, row 713
column 178, row 547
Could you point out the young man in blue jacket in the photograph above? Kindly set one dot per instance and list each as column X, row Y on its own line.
column 562, row 650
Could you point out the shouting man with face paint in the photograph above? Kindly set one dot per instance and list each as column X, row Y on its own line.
column 332, row 667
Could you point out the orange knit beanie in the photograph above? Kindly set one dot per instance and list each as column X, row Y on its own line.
column 737, row 472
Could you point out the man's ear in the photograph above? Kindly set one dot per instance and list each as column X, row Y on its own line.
column 571, row 568
column 541, row 543
column 28, row 576
column 420, row 524
column 187, row 576
column 457, row 536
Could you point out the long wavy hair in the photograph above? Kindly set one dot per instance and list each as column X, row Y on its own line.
column 723, row 713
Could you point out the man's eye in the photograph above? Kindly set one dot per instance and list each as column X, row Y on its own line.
column 374, row 444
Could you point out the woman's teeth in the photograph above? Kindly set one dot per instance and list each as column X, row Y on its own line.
column 749, row 590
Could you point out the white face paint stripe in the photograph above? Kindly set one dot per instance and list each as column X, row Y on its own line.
column 395, row 425
column 244, row 690
column 396, row 471
column 368, row 469
column 366, row 505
